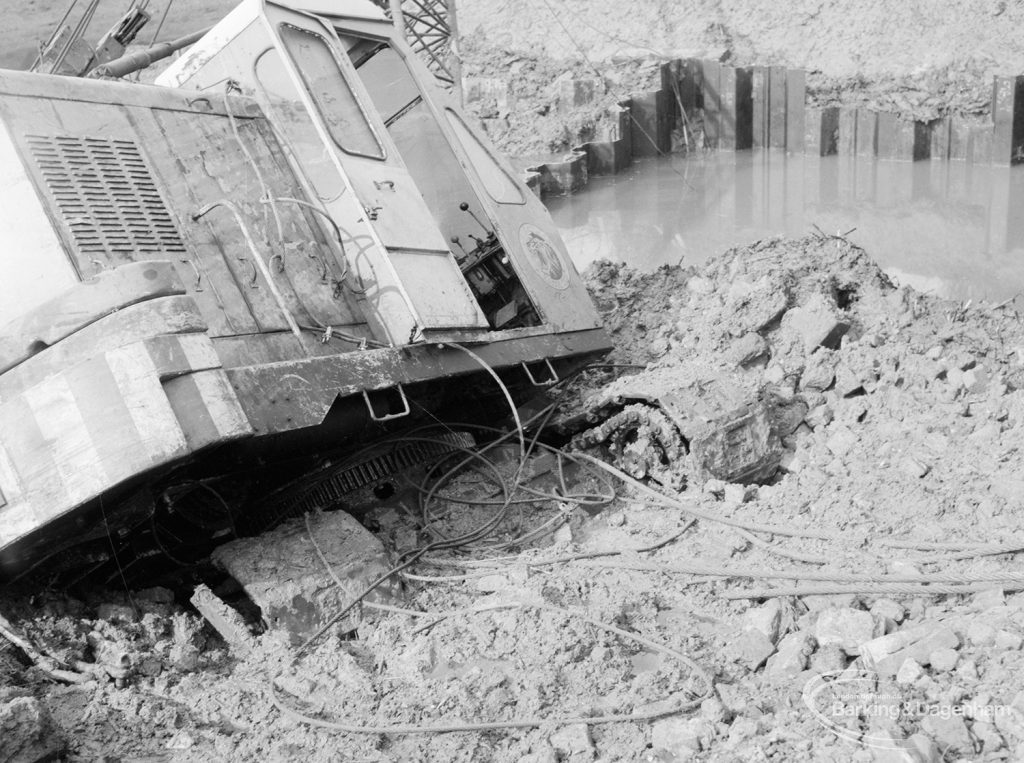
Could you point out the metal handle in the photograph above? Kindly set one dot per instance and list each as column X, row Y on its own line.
column 199, row 276
column 255, row 273
column 321, row 264
column 388, row 416
column 551, row 370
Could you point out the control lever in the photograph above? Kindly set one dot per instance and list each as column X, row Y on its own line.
column 464, row 206
column 455, row 240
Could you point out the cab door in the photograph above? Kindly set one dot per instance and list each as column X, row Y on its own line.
column 403, row 228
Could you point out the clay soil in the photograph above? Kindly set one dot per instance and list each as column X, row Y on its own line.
column 900, row 462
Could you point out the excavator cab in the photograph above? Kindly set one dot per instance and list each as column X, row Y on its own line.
column 450, row 242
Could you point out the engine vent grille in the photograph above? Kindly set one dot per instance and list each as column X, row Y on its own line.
column 106, row 194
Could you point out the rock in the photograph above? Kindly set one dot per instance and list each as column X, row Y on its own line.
column 747, row 350
column 765, row 619
column 226, row 620
column 759, row 305
column 26, row 732
column 889, row 609
column 283, row 574
column 787, row 413
column 924, row 749
column 791, row 658
column 818, row 602
column 573, row 740
column 820, row 371
column 700, row 285
column 841, row 440
column 182, row 740
column 909, row 672
column 886, row 747
column 820, row 416
column 950, row 733
column 751, row 648
column 682, row 737
column 714, row 710
column 616, row 519
column 790, row 462
column 989, row 736
column 854, row 380
column 913, row 467
column 492, row 583
column 980, row 633
column 715, row 487
column 829, row 659
column 943, row 660
column 742, row 729
column 817, row 323
column 563, row 535
column 1008, row 641
column 188, row 642
column 658, row 347
column 967, row 670
column 888, row 653
column 975, row 380
column 991, row 597
column 735, row 493
column 1010, row 721
column 849, row 628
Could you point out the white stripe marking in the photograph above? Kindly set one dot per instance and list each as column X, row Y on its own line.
column 140, row 387
column 67, row 439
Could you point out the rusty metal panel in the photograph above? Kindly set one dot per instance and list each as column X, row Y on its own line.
column 299, row 394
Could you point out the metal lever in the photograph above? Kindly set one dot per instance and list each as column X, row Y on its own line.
column 464, row 206
column 388, row 416
column 551, row 370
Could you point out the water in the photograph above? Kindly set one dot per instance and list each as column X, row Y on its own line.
column 949, row 228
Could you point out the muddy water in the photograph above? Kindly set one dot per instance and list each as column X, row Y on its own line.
column 949, row 228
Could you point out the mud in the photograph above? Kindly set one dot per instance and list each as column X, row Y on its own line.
column 907, row 438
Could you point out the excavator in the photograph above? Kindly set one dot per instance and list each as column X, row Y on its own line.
column 291, row 244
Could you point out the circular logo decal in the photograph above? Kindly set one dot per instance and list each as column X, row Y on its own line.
column 543, row 257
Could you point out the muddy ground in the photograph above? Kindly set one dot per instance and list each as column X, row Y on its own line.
column 900, row 418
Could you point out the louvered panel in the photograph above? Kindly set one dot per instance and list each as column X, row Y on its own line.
column 106, row 194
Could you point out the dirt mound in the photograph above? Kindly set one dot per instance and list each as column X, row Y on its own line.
column 913, row 402
column 883, row 548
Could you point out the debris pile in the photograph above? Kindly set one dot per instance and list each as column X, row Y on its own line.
column 558, row 607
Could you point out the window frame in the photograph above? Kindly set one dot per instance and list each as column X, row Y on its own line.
column 324, row 118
